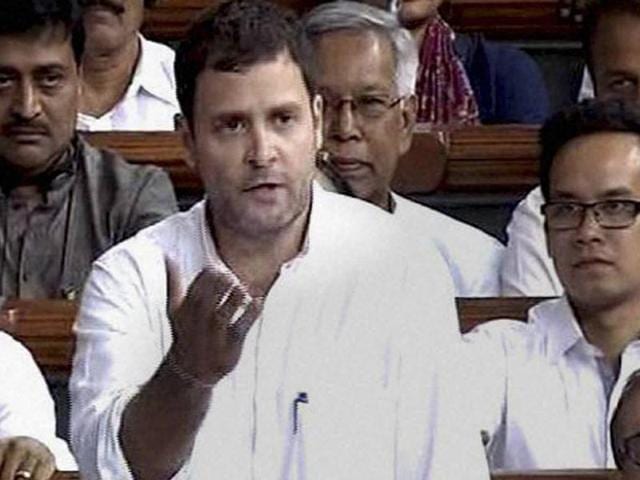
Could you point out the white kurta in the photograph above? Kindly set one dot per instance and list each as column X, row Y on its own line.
column 473, row 257
column 357, row 322
column 150, row 101
column 26, row 407
column 544, row 391
column 527, row 269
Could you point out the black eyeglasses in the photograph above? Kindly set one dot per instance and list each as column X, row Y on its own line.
column 607, row 213
column 367, row 106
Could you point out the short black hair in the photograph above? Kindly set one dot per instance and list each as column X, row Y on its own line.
column 21, row 16
column 588, row 117
column 237, row 34
column 595, row 10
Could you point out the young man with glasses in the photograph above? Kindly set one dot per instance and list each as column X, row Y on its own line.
column 367, row 66
column 549, row 386
column 611, row 39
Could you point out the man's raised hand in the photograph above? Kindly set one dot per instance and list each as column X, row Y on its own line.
column 210, row 322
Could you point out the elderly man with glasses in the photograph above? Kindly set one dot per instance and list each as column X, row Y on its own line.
column 548, row 387
column 367, row 69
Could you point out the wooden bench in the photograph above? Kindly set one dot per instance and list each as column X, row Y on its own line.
column 45, row 326
column 501, row 158
column 503, row 19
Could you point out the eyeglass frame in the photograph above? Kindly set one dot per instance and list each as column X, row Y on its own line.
column 597, row 216
column 353, row 101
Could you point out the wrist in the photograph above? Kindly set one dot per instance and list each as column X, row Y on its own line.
column 185, row 376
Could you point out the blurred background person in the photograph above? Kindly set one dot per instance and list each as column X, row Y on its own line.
column 127, row 80
column 29, row 448
column 465, row 79
column 611, row 42
column 62, row 201
column 366, row 74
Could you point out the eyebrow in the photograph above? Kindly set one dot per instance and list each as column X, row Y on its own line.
column 618, row 72
column 607, row 194
column 38, row 69
column 366, row 89
column 278, row 107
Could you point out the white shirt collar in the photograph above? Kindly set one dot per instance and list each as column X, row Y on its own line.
column 150, row 74
column 211, row 256
column 560, row 326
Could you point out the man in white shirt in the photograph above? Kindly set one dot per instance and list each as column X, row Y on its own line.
column 548, row 387
column 127, row 81
column 367, row 69
column 612, row 41
column 309, row 340
column 29, row 447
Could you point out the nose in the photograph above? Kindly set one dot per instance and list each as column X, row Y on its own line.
column 589, row 230
column 26, row 103
column 341, row 123
column 262, row 151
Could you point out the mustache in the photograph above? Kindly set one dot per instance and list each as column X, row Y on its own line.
column 26, row 125
column 115, row 7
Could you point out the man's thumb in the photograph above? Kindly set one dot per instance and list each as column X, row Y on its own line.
column 175, row 288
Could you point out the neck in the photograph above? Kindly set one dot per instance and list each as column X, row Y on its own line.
column 611, row 330
column 418, row 30
column 106, row 76
column 28, row 182
column 418, row 34
column 256, row 259
column 383, row 200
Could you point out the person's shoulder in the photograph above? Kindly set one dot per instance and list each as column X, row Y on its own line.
column 428, row 221
column 352, row 216
column 367, row 234
column 159, row 56
column 109, row 166
column 13, row 354
column 159, row 50
column 518, row 338
column 508, row 55
column 166, row 236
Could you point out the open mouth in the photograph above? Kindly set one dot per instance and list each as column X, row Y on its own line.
column 263, row 186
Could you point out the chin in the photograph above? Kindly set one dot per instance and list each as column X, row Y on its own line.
column 266, row 226
column 597, row 296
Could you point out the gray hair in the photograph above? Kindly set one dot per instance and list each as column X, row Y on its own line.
column 348, row 15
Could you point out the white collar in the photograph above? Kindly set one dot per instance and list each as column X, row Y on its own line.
column 561, row 328
column 151, row 74
column 211, row 256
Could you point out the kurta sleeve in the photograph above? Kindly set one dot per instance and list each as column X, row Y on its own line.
column 122, row 336
column 527, row 269
column 26, row 407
